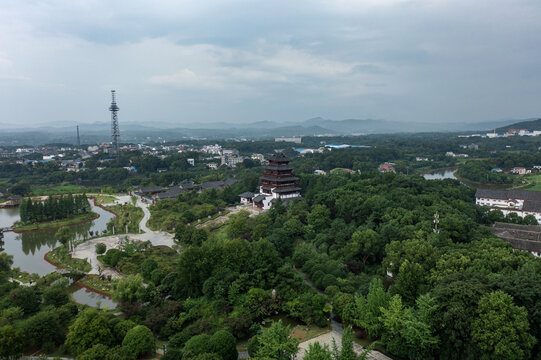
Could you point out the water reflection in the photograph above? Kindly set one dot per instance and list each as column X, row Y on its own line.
column 29, row 249
column 84, row 296
column 440, row 175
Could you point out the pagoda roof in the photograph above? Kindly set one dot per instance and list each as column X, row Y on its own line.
column 277, row 167
column 286, row 190
column 279, row 157
column 279, row 179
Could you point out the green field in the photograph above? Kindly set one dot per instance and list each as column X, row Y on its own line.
column 103, row 198
column 534, row 182
column 58, row 190
column 58, row 223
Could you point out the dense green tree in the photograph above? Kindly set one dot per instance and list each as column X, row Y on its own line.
column 346, row 351
column 501, row 330
column 44, row 329
column 319, row 218
column 28, row 298
column 365, row 312
column 318, row 352
column 139, row 341
column 96, row 352
column 129, row 290
column 197, row 345
column 224, row 344
column 56, row 296
column 90, row 328
column 364, row 245
column 6, row 261
column 12, row 342
column 275, row 343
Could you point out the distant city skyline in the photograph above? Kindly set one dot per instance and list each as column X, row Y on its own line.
column 188, row 62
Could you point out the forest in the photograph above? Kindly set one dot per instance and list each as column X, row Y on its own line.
column 53, row 208
column 366, row 242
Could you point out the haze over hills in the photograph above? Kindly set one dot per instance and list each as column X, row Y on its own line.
column 156, row 131
column 528, row 124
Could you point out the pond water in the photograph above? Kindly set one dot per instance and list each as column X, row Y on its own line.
column 440, row 175
column 28, row 249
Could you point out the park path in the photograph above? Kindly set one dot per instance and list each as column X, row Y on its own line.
column 87, row 249
column 336, row 333
column 146, row 216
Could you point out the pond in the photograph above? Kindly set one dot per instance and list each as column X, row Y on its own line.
column 440, row 175
column 28, row 249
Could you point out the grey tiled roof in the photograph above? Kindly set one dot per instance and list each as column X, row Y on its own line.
column 534, row 206
column 508, row 194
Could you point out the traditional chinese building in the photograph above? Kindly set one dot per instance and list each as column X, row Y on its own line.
column 277, row 182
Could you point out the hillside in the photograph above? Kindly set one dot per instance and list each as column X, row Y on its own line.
column 529, row 124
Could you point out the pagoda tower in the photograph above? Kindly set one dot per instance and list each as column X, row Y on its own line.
column 277, row 182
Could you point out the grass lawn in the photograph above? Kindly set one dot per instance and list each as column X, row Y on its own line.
column 96, row 283
column 60, row 257
column 58, row 223
column 104, row 198
column 305, row 332
column 127, row 215
column 60, row 189
column 24, row 276
column 534, row 181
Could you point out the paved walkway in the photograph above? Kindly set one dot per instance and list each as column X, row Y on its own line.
column 336, row 333
column 87, row 250
column 327, row 339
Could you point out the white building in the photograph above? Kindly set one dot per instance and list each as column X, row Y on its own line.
column 520, row 202
column 293, row 139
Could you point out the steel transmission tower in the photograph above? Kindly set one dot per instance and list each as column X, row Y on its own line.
column 115, row 134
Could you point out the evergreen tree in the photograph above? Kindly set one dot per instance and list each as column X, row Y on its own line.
column 23, row 211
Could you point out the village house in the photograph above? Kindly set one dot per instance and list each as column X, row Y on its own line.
column 518, row 170
column 520, row 202
column 387, row 168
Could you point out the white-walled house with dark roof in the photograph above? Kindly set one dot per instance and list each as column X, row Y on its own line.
column 520, row 202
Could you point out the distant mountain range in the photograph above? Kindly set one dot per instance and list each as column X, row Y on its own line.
column 137, row 132
column 528, row 124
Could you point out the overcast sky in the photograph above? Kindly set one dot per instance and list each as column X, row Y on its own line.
column 188, row 62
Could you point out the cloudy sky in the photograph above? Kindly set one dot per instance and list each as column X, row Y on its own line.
column 188, row 62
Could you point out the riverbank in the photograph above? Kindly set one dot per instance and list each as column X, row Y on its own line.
column 477, row 185
column 95, row 284
column 60, row 259
column 53, row 225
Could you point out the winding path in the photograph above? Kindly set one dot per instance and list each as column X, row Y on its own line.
column 87, row 249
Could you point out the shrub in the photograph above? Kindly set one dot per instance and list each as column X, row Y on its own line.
column 56, row 296
column 178, row 340
column 121, row 329
column 139, row 341
column 100, row 248
column 96, row 352
column 224, row 344
column 113, row 256
column 197, row 345
column 147, row 267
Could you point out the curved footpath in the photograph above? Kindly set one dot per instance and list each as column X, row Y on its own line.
column 87, row 250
